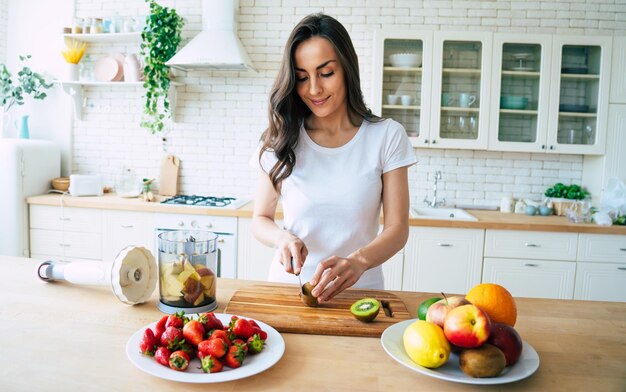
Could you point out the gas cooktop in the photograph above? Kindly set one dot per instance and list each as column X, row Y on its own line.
column 206, row 201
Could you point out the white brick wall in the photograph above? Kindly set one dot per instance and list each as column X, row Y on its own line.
column 3, row 30
column 220, row 115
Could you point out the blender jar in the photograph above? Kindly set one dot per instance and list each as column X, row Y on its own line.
column 187, row 264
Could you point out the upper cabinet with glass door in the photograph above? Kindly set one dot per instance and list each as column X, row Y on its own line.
column 461, row 96
column 579, row 94
column 520, row 87
column 401, row 85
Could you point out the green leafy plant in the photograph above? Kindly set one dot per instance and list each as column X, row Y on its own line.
column 160, row 39
column 13, row 92
column 572, row 192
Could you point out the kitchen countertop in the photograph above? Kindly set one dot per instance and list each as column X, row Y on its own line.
column 486, row 219
column 59, row 336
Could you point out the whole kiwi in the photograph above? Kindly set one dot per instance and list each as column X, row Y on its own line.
column 484, row 361
column 307, row 297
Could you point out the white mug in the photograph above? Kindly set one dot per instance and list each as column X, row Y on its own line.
column 466, row 100
column 406, row 100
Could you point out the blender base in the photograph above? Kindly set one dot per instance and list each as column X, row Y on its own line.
column 198, row 309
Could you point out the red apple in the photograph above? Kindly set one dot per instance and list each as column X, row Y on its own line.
column 438, row 311
column 508, row 340
column 467, row 326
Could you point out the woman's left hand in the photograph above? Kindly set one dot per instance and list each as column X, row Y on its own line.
column 334, row 275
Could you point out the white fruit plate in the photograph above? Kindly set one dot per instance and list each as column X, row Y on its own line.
column 392, row 342
column 253, row 364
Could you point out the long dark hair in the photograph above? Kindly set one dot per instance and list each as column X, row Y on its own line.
column 287, row 111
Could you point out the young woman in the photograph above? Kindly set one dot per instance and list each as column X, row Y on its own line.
column 331, row 163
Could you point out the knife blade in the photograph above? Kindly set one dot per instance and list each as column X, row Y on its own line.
column 298, row 275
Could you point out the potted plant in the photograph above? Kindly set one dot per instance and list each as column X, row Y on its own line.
column 13, row 91
column 563, row 196
column 160, row 39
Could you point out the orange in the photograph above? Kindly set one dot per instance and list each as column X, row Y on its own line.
column 496, row 301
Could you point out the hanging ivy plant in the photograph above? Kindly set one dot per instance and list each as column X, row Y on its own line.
column 160, row 39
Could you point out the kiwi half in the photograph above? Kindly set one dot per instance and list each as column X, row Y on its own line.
column 307, row 297
column 365, row 309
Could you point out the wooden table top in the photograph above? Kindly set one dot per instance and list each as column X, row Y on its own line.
column 64, row 337
column 486, row 219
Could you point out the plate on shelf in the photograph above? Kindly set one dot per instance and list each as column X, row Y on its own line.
column 391, row 340
column 253, row 364
column 573, row 108
column 107, row 69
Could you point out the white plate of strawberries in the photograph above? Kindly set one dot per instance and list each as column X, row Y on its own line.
column 205, row 347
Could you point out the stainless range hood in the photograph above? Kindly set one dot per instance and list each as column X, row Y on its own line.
column 217, row 46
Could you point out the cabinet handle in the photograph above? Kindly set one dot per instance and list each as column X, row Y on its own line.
column 64, row 245
column 531, row 245
column 434, row 141
column 425, row 141
column 622, row 249
column 531, row 265
column 551, row 147
column 543, row 146
column 61, row 218
column 444, row 245
column 621, row 268
column 127, row 226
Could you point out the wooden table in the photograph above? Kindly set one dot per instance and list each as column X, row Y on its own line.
column 58, row 336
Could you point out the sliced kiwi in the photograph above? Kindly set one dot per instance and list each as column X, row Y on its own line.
column 365, row 309
column 306, row 296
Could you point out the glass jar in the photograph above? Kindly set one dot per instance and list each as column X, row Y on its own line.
column 77, row 26
column 86, row 68
column 96, row 26
column 187, row 265
column 87, row 26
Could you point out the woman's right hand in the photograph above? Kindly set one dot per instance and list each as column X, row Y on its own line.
column 290, row 246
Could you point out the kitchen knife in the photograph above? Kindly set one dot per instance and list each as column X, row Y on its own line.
column 298, row 275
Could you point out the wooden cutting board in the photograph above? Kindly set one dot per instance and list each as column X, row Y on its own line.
column 280, row 306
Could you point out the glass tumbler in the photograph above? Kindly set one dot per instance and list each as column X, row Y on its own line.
column 187, row 265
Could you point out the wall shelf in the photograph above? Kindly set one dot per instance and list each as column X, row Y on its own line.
column 75, row 89
column 106, row 37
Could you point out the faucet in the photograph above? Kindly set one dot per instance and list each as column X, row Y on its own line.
column 434, row 203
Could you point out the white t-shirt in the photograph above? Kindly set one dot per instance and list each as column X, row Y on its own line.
column 332, row 199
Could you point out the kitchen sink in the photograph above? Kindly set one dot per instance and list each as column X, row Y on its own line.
column 441, row 213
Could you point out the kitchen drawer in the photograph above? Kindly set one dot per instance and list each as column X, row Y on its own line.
column 602, row 248
column 600, row 281
column 84, row 220
column 124, row 228
column 71, row 244
column 532, row 278
column 218, row 224
column 531, row 245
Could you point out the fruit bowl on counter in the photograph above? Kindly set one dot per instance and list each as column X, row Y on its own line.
column 466, row 339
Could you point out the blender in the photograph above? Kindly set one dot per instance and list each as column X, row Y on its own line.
column 187, row 265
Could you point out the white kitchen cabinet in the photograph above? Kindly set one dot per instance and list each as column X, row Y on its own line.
column 618, row 70
column 124, row 228
column 461, row 89
column 253, row 257
column 392, row 80
column 65, row 233
column 393, row 270
column 531, row 277
column 579, row 94
column 521, row 92
column 531, row 245
column 601, row 268
column 442, row 259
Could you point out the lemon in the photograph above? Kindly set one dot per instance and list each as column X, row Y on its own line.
column 425, row 344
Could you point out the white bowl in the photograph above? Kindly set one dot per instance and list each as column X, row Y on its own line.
column 405, row 60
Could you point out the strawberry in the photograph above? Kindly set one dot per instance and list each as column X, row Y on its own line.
column 162, row 356
column 215, row 347
column 210, row 321
column 172, row 338
column 160, row 327
column 220, row 333
column 179, row 360
column 235, row 356
column 148, row 343
column 242, row 328
column 176, row 320
column 211, row 364
column 241, row 343
column 255, row 344
column 193, row 332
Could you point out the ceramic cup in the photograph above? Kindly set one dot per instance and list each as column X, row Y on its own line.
column 447, row 99
column 545, row 210
column 466, row 100
column 406, row 100
column 530, row 210
column 392, row 99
